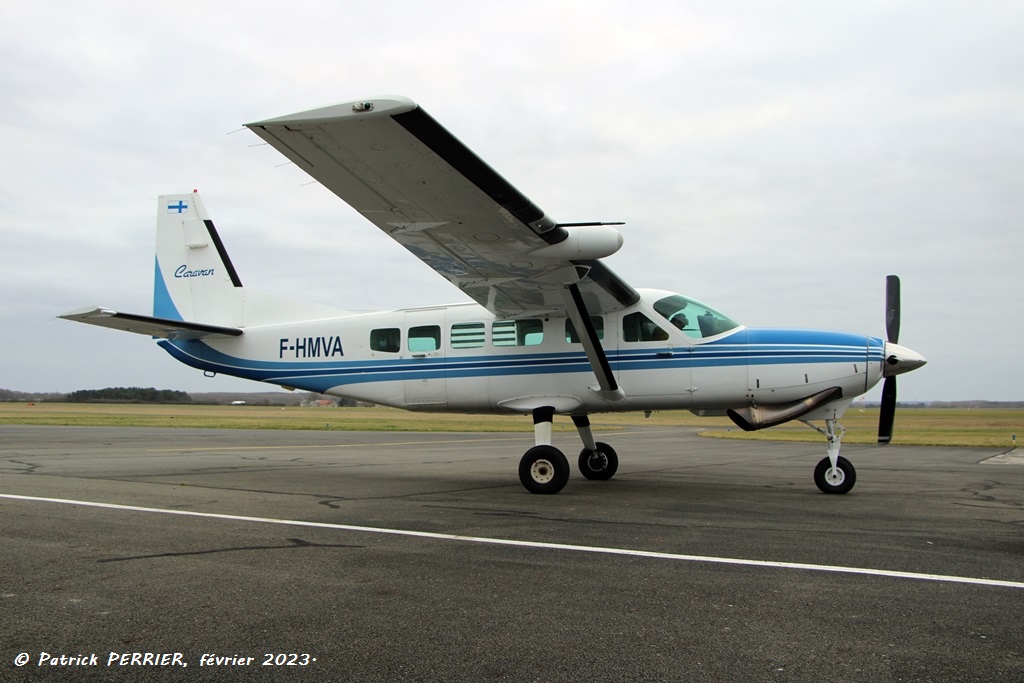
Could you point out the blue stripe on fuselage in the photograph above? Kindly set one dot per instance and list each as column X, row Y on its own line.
column 762, row 347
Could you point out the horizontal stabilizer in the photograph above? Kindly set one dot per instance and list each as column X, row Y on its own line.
column 148, row 325
column 752, row 418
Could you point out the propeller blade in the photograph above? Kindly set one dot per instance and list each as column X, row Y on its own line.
column 887, row 414
column 892, row 308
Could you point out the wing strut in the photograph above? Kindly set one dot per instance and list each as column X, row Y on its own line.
column 577, row 311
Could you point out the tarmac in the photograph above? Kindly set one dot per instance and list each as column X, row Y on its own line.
column 143, row 554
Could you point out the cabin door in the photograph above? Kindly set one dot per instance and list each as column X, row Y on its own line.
column 424, row 355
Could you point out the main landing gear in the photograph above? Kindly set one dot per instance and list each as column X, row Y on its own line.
column 834, row 474
column 545, row 469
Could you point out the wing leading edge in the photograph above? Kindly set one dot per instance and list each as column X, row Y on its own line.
column 405, row 173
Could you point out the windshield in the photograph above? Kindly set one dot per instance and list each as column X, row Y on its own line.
column 694, row 318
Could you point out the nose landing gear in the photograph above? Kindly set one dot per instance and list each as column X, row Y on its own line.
column 834, row 474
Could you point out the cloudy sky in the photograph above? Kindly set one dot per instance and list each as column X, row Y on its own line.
column 775, row 159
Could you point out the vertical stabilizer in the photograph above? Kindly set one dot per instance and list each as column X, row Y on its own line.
column 195, row 279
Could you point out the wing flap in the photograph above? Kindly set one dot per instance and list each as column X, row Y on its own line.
column 148, row 325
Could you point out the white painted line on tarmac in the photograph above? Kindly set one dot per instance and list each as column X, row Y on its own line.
column 539, row 545
column 1014, row 457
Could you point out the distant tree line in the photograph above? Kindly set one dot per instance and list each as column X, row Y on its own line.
column 8, row 395
column 128, row 395
column 151, row 395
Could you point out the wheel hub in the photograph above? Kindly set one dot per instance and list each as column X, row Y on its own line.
column 835, row 476
column 542, row 471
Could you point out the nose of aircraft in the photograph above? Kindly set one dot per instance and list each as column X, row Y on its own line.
column 900, row 359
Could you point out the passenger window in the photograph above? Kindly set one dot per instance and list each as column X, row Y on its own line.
column 468, row 335
column 528, row 332
column 637, row 327
column 424, row 338
column 388, row 340
column 570, row 329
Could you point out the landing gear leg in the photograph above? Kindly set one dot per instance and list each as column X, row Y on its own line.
column 598, row 461
column 834, row 474
column 543, row 468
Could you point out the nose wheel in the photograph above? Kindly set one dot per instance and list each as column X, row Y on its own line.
column 835, row 479
column 834, row 474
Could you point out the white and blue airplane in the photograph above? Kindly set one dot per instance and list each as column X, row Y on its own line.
column 551, row 330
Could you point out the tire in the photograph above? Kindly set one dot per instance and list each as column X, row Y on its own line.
column 841, row 481
column 599, row 465
column 544, row 469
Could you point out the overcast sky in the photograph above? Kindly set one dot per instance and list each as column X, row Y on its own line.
column 774, row 159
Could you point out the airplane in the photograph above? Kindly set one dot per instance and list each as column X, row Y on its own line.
column 551, row 330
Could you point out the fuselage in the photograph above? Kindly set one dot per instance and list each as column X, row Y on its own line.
column 462, row 358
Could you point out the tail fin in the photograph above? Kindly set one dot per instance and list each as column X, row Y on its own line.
column 195, row 279
column 196, row 291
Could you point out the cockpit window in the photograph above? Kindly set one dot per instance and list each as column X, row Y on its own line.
column 693, row 318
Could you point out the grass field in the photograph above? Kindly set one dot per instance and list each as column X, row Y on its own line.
column 914, row 426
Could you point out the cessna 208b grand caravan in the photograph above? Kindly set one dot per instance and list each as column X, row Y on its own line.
column 552, row 330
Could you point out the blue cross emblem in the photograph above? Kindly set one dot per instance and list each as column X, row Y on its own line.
column 180, row 207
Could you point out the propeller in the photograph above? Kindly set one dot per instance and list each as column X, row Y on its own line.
column 887, row 414
column 892, row 308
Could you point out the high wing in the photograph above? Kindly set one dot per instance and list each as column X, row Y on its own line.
column 148, row 325
column 414, row 180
